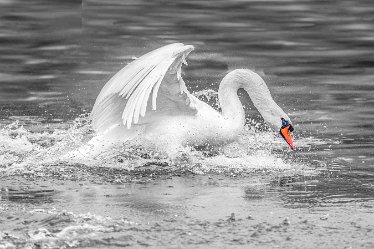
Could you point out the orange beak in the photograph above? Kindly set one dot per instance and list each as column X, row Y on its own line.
column 286, row 134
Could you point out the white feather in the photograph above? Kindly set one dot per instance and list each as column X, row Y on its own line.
column 133, row 85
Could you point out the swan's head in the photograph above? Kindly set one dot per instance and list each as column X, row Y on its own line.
column 285, row 130
column 278, row 121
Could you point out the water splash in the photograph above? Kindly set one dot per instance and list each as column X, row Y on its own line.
column 25, row 148
column 209, row 96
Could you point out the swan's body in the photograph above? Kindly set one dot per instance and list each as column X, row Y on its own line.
column 148, row 98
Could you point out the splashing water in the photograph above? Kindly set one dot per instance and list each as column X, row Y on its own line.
column 209, row 96
column 34, row 145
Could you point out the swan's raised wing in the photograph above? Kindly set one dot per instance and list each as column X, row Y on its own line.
column 126, row 98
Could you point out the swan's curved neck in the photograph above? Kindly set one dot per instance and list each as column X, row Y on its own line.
column 257, row 90
column 231, row 106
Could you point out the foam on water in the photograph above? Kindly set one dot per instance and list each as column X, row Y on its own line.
column 62, row 229
column 32, row 145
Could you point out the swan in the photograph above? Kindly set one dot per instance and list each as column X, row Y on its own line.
column 149, row 98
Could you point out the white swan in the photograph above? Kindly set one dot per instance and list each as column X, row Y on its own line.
column 149, row 98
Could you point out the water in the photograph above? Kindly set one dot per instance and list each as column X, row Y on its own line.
column 317, row 58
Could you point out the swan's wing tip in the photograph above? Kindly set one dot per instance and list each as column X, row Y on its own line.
column 189, row 47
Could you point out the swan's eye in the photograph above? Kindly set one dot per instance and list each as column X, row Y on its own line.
column 284, row 122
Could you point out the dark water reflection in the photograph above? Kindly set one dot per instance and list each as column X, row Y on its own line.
column 317, row 57
column 39, row 47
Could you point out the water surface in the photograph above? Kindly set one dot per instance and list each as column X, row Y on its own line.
column 317, row 58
